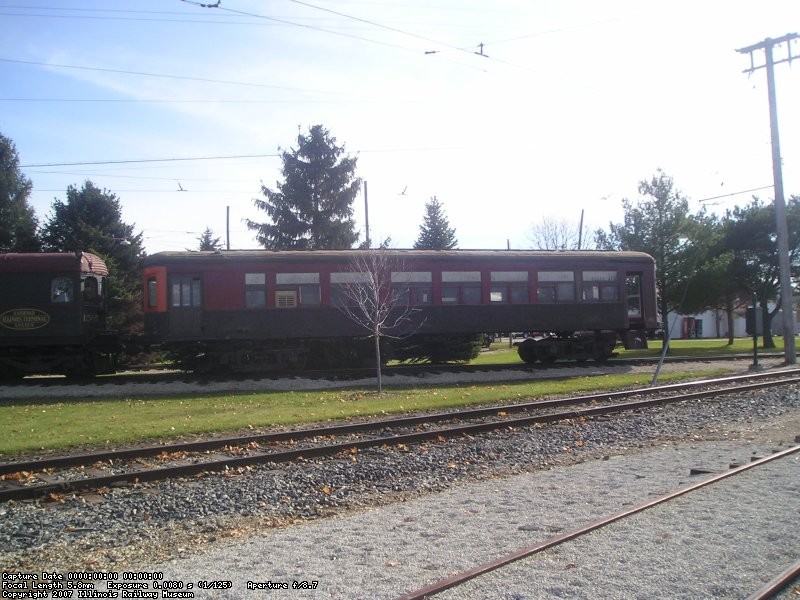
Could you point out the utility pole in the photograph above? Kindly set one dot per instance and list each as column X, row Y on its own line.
column 366, row 214
column 777, row 173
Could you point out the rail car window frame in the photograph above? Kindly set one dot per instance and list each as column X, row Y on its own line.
column 62, row 290
column 461, row 287
column 255, row 290
column 345, row 287
column 599, row 286
column 186, row 291
column 554, row 287
column 152, row 292
column 304, row 286
column 412, row 288
column 91, row 289
column 509, row 287
column 633, row 287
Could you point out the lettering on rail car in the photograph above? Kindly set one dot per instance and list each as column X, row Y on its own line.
column 24, row 319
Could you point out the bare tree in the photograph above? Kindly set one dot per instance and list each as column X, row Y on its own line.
column 367, row 298
column 556, row 234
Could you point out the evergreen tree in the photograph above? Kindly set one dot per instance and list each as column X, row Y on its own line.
column 659, row 224
column 750, row 236
column 207, row 241
column 18, row 223
column 91, row 220
column 312, row 209
column 435, row 232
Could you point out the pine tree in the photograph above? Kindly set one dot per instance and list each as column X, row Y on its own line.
column 91, row 221
column 18, row 223
column 207, row 241
column 435, row 232
column 312, row 208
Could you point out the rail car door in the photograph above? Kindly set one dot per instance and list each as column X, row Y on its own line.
column 185, row 306
column 635, row 336
column 635, row 300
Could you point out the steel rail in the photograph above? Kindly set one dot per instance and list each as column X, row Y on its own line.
column 776, row 585
column 460, row 578
column 228, row 463
column 55, row 462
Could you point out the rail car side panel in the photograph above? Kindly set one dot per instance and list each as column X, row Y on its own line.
column 330, row 322
column 216, row 285
column 43, row 298
column 52, row 314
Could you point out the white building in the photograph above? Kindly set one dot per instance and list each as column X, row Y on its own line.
column 714, row 324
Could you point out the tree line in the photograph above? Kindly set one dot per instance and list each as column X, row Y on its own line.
column 704, row 261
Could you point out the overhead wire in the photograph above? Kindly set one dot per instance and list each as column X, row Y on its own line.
column 302, row 25
column 225, row 157
column 205, row 101
column 765, row 187
column 169, row 76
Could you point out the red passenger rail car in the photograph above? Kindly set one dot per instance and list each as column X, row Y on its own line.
column 242, row 310
column 52, row 315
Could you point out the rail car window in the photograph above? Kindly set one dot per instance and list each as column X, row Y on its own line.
column 461, row 287
column 310, row 295
column 461, row 294
column 186, row 292
column 304, row 287
column 600, row 286
column 152, row 292
column 505, row 293
column 509, row 287
column 61, row 290
column 555, row 286
column 255, row 290
column 302, row 295
column 91, row 290
column 347, row 286
column 412, row 287
column 412, row 295
column 634, row 285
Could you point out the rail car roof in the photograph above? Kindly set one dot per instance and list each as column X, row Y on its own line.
column 222, row 256
column 52, row 262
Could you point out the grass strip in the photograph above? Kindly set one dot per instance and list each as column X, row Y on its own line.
column 502, row 354
column 52, row 425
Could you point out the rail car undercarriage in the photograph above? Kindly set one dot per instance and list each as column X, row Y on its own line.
column 580, row 346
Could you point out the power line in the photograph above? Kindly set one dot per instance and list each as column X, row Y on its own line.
column 147, row 160
column 304, row 26
column 334, row 32
column 766, row 187
column 467, row 50
column 167, row 76
column 236, row 156
column 206, row 101
column 374, row 24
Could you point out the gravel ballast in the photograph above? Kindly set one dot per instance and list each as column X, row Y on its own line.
column 399, row 518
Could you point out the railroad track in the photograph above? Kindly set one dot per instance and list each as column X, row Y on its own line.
column 780, row 582
column 54, row 476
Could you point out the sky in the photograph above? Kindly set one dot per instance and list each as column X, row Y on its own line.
column 509, row 112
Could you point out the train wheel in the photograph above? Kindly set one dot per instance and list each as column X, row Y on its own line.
column 548, row 359
column 602, row 353
column 527, row 351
